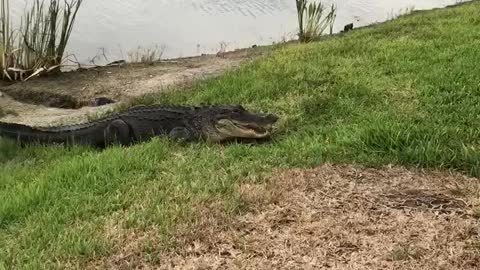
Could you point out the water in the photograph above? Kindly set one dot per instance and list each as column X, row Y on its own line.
column 107, row 30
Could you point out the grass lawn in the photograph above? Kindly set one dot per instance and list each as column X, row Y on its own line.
column 405, row 92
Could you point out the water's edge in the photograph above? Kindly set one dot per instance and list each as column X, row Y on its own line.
column 110, row 30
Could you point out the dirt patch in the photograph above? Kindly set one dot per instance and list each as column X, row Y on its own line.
column 45, row 97
column 37, row 115
column 334, row 217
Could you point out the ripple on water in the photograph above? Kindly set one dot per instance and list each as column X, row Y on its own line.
column 252, row 8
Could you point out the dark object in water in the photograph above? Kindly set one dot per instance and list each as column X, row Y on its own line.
column 100, row 101
column 254, row 45
column 347, row 28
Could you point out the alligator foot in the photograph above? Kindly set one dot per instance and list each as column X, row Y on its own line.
column 118, row 132
column 181, row 134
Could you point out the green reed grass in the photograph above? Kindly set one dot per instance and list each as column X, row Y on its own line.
column 7, row 37
column 311, row 20
column 39, row 44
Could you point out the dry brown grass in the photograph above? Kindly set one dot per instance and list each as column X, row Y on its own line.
column 331, row 217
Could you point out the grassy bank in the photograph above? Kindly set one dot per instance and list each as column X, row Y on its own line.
column 405, row 92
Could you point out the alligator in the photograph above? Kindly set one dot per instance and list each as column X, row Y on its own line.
column 141, row 123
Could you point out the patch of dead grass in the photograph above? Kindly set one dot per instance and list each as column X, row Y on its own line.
column 334, row 217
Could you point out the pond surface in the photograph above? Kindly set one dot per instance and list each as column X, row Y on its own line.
column 107, row 30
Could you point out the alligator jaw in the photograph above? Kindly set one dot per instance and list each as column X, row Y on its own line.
column 229, row 128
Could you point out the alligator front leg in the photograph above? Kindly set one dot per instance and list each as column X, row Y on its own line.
column 182, row 134
column 118, row 132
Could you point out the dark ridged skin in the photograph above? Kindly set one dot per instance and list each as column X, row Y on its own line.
column 140, row 124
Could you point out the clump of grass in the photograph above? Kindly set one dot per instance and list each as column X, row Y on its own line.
column 311, row 22
column 146, row 56
column 406, row 252
column 39, row 45
column 4, row 113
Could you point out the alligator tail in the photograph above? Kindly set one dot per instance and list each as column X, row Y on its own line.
column 26, row 134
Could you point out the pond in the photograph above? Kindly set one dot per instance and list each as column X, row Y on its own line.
column 108, row 30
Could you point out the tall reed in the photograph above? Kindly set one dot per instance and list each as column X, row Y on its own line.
column 39, row 45
column 311, row 20
column 7, row 38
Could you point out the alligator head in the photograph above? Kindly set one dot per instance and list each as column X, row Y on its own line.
column 231, row 122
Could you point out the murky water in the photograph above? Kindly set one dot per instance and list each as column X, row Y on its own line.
column 112, row 28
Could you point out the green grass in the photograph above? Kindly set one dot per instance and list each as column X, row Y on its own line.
column 405, row 92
